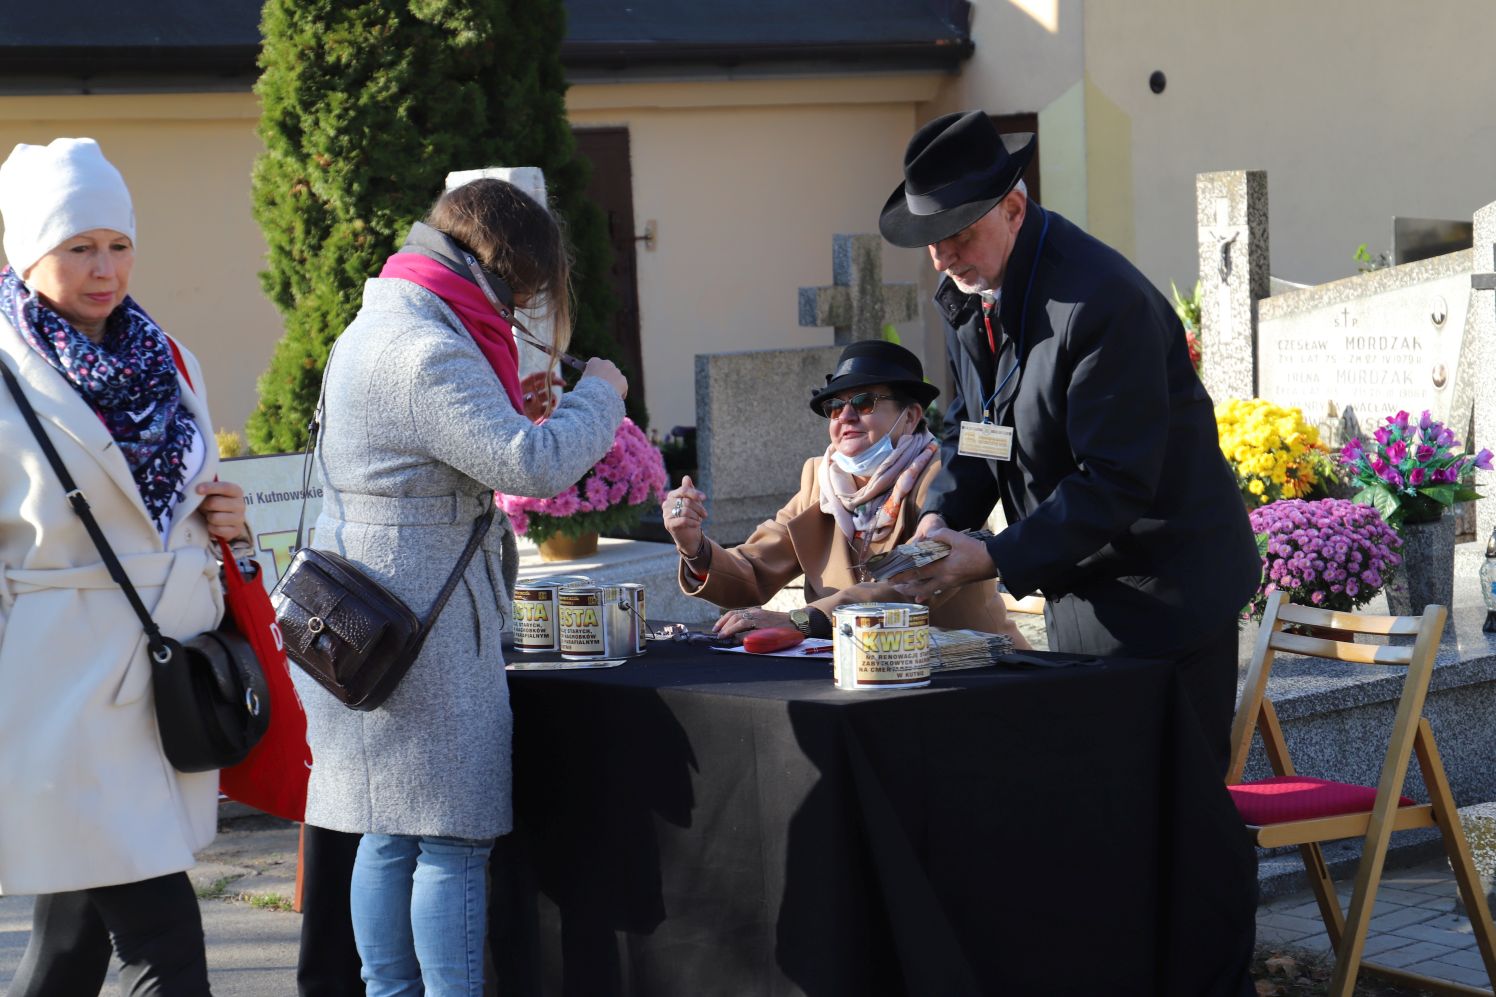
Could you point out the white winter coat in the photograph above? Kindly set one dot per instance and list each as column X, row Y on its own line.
column 86, row 796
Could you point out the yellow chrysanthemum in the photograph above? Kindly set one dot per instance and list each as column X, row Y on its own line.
column 1267, row 446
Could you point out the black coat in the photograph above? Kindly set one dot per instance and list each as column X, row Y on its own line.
column 1121, row 508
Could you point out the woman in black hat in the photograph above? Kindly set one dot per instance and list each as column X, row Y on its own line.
column 860, row 498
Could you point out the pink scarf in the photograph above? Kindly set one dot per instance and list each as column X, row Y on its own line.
column 859, row 514
column 494, row 336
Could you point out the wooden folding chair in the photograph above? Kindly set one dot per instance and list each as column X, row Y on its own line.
column 1289, row 809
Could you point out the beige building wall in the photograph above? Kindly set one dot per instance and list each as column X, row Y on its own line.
column 747, row 182
column 187, row 160
column 1357, row 109
column 1029, row 59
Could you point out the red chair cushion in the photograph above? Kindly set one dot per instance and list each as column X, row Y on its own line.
column 1297, row 797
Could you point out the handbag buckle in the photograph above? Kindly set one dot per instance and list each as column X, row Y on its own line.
column 314, row 625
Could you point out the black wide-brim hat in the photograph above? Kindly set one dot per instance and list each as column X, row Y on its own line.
column 875, row 361
column 956, row 169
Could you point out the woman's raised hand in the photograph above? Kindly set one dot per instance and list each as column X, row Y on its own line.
column 608, row 371
column 684, row 509
column 223, row 508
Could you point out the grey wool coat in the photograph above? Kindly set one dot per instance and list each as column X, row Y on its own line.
column 417, row 433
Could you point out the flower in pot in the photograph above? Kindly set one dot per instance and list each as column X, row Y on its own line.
column 1187, row 307
column 1274, row 453
column 609, row 498
column 1413, row 472
column 1330, row 553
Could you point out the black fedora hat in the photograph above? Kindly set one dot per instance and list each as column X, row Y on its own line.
column 955, row 169
column 874, row 361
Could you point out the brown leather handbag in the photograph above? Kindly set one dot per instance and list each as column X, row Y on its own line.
column 351, row 634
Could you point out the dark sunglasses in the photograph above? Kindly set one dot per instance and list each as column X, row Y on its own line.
column 864, row 402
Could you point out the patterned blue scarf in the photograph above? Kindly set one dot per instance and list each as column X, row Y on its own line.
column 129, row 379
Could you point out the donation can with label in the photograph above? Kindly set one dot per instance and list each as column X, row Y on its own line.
column 535, row 617
column 579, row 617
column 881, row 645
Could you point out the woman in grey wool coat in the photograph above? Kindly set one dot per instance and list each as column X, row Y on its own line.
column 425, row 417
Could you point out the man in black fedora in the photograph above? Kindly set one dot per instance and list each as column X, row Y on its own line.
column 1076, row 406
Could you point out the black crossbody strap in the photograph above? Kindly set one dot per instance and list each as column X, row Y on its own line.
column 480, row 525
column 308, row 457
column 79, row 502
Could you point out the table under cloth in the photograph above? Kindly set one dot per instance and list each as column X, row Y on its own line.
column 696, row 823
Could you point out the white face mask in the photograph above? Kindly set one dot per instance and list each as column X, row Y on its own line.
column 867, row 462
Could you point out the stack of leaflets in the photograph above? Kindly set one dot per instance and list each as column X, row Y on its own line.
column 914, row 554
column 953, row 649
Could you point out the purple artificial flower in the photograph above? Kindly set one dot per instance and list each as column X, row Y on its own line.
column 1329, row 553
column 1445, row 437
column 1382, row 436
column 1416, row 476
column 1425, row 420
column 1400, row 420
column 1483, row 460
column 1394, row 478
column 1424, row 453
column 1379, row 466
column 1396, row 452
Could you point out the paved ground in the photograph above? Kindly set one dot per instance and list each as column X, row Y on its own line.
column 1414, row 925
column 249, row 872
column 243, row 878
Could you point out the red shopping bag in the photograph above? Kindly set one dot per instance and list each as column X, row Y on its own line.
column 274, row 775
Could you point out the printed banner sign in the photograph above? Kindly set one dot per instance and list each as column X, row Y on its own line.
column 272, row 494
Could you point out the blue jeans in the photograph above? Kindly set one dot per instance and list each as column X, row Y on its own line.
column 418, row 907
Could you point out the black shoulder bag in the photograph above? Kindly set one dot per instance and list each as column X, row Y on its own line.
column 212, row 703
column 351, row 634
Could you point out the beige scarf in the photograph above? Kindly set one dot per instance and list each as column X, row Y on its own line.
column 859, row 515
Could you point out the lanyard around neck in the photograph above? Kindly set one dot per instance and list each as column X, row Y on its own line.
column 988, row 412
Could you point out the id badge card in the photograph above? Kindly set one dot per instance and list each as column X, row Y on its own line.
column 983, row 439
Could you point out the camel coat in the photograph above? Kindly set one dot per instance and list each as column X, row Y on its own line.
column 801, row 539
column 86, row 796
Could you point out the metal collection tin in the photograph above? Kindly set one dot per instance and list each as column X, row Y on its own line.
column 535, row 615
column 535, row 612
column 580, row 621
column 602, row 621
column 625, row 622
column 881, row 645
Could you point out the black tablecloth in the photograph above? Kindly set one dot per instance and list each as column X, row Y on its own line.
column 694, row 823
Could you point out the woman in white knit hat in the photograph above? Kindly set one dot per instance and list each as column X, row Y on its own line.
column 94, row 819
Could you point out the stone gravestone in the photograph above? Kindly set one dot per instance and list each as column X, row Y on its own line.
column 858, row 304
column 1231, row 219
column 754, row 432
column 1482, row 339
column 1382, row 341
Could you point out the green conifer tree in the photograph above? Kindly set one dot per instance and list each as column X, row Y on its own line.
column 366, row 106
